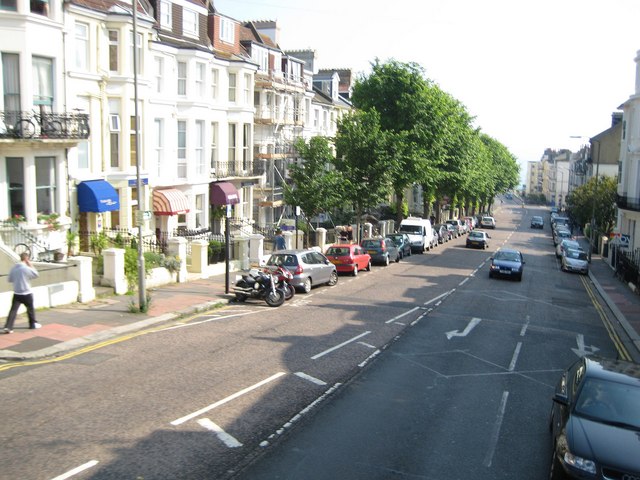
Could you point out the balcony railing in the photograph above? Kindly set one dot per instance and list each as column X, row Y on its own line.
column 33, row 125
column 627, row 203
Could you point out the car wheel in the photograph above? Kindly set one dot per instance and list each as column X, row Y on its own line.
column 520, row 277
column 490, row 275
column 355, row 271
column 368, row 269
column 398, row 258
column 386, row 261
column 306, row 287
column 333, row 279
column 400, row 255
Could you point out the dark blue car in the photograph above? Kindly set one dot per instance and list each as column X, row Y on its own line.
column 507, row 263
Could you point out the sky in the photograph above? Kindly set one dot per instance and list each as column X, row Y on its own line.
column 532, row 73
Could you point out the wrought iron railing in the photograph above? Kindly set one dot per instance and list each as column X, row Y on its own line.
column 33, row 125
column 628, row 203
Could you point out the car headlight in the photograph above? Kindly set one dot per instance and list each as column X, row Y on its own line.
column 494, row 267
column 580, row 463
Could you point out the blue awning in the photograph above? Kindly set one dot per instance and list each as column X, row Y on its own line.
column 97, row 196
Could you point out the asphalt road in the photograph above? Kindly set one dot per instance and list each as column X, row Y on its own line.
column 425, row 369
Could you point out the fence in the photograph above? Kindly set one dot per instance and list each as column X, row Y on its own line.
column 92, row 242
column 626, row 264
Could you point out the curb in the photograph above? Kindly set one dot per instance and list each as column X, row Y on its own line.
column 95, row 338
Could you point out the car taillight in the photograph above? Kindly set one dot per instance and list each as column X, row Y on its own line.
column 298, row 270
column 384, row 247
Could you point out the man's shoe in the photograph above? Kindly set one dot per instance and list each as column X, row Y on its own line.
column 6, row 330
column 36, row 325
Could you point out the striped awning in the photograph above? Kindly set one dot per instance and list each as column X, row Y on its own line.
column 170, row 201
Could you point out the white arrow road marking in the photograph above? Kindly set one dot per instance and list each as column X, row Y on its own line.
column 583, row 350
column 229, row 440
column 456, row 333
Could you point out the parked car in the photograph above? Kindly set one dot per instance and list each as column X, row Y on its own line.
column 575, row 261
column 443, row 232
column 565, row 244
column 309, row 268
column 459, row 224
column 403, row 243
column 507, row 262
column 349, row 258
column 453, row 230
column 478, row 239
column 420, row 233
column 471, row 221
column 594, row 420
column 560, row 234
column 382, row 250
column 537, row 222
column 488, row 222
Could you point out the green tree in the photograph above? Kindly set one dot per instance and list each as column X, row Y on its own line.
column 598, row 198
column 316, row 185
column 398, row 93
column 362, row 161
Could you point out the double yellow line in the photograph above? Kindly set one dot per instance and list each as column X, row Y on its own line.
column 613, row 335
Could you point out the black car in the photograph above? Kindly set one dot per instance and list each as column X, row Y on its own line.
column 595, row 421
column 537, row 222
column 507, row 262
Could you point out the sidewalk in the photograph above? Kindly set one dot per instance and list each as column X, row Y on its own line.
column 78, row 325
column 74, row 326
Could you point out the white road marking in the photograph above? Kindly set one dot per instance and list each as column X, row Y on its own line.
column 229, row 440
column 315, row 380
column 322, row 354
column 583, row 350
column 496, row 430
column 211, row 319
column 463, row 282
column 228, row 399
column 442, row 295
column 456, row 333
column 525, row 326
column 402, row 315
column 514, row 359
column 79, row 469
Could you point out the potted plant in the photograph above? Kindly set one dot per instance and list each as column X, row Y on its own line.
column 51, row 220
column 72, row 242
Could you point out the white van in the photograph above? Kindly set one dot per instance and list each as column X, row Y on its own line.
column 420, row 233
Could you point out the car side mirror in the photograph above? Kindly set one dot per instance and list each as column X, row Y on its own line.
column 561, row 399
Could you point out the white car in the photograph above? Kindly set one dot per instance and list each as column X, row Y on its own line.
column 488, row 222
column 575, row 261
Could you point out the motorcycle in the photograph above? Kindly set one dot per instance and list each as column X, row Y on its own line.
column 260, row 285
column 283, row 278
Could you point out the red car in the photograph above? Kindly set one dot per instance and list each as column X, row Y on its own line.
column 349, row 258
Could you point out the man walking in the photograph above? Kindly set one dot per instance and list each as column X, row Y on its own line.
column 21, row 275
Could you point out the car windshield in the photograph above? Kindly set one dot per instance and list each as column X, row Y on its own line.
column 411, row 228
column 576, row 254
column 507, row 256
column 286, row 260
column 610, row 402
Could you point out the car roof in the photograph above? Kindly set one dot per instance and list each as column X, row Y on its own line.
column 611, row 369
column 294, row 251
column 508, row 250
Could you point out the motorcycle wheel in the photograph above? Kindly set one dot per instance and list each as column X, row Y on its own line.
column 275, row 299
column 289, row 291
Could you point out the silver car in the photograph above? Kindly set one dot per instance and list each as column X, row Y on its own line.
column 309, row 268
column 565, row 245
column 575, row 261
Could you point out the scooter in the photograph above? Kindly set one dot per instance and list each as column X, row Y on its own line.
column 260, row 285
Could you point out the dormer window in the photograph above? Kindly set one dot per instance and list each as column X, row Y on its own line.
column 227, row 30
column 190, row 22
column 165, row 15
